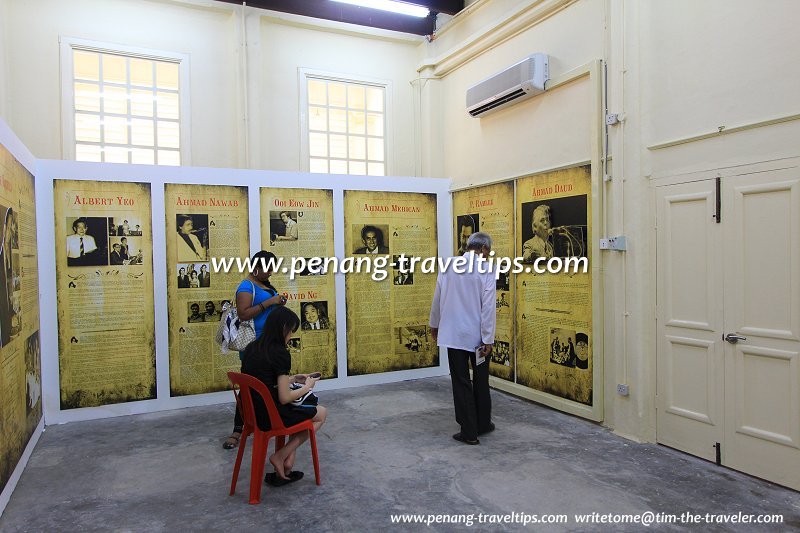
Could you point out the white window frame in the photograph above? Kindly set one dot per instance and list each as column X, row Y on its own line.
column 304, row 74
column 69, row 44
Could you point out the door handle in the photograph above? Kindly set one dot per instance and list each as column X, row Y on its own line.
column 733, row 338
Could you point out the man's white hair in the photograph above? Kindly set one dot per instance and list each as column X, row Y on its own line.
column 478, row 240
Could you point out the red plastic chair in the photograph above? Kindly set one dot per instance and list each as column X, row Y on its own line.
column 244, row 400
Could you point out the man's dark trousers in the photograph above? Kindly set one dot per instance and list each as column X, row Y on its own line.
column 471, row 398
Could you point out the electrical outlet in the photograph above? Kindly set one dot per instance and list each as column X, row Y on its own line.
column 622, row 390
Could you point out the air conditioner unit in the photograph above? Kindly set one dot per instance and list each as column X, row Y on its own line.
column 515, row 84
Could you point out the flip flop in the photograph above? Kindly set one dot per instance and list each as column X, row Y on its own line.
column 275, row 480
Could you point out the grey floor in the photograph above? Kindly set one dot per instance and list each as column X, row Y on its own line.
column 385, row 449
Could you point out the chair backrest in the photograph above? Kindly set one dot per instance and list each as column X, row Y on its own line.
column 247, row 384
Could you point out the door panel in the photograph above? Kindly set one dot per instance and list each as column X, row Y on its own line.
column 762, row 302
column 689, row 319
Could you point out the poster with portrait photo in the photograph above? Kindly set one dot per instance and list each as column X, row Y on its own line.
column 314, row 316
column 466, row 225
column 192, row 237
column 7, row 318
column 370, row 238
column 400, row 277
column 87, row 241
column 555, row 227
column 203, row 311
column 283, row 226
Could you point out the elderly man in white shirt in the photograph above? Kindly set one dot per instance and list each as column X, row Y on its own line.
column 463, row 319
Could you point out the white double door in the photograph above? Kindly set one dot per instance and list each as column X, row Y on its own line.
column 729, row 321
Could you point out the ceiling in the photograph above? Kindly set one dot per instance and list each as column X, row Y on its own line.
column 363, row 16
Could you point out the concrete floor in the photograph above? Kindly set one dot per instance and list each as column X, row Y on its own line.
column 385, row 449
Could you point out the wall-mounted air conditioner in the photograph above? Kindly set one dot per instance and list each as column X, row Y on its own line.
column 515, row 84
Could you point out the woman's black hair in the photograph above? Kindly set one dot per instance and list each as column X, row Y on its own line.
column 261, row 260
column 280, row 322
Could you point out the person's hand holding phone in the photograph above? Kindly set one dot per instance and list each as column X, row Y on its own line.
column 300, row 378
column 312, row 379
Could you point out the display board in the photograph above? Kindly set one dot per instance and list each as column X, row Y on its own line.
column 387, row 308
column 490, row 209
column 20, row 355
column 202, row 222
column 104, row 286
column 554, row 311
column 297, row 226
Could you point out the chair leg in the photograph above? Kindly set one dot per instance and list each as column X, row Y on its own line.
column 257, row 468
column 239, row 455
column 313, row 438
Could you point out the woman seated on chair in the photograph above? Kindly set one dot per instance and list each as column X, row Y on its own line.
column 269, row 360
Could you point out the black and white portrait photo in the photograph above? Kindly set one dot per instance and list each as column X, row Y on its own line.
column 283, row 226
column 554, row 228
column 87, row 241
column 192, row 238
column 562, row 346
column 371, row 239
column 466, row 225
column 314, row 316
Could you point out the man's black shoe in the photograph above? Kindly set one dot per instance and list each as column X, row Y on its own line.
column 460, row 438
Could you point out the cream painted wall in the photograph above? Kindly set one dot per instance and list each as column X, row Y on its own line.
column 3, row 57
column 285, row 48
column 540, row 133
column 202, row 32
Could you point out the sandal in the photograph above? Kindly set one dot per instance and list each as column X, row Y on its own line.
column 232, row 441
column 274, row 480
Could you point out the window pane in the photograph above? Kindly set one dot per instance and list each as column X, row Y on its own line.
column 142, row 103
column 318, row 118
column 142, row 132
column 376, row 169
column 338, row 120
column 168, row 134
column 355, row 97
column 375, row 149
column 169, row 157
column 88, row 152
column 114, row 154
column 375, row 124
column 318, row 144
column 141, row 72
column 87, row 127
column 86, row 65
column 87, row 97
column 166, row 75
column 316, row 92
column 374, row 99
column 358, row 168
column 168, row 105
column 141, row 156
column 318, row 166
column 114, row 70
column 356, row 122
column 115, row 130
column 338, row 144
column 357, row 148
column 338, row 167
column 337, row 94
column 115, row 100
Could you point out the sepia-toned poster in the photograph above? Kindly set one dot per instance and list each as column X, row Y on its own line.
column 554, row 311
column 387, row 319
column 202, row 222
column 297, row 226
column 490, row 209
column 104, row 280
column 20, row 356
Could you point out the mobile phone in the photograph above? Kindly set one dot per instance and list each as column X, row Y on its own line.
column 315, row 375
